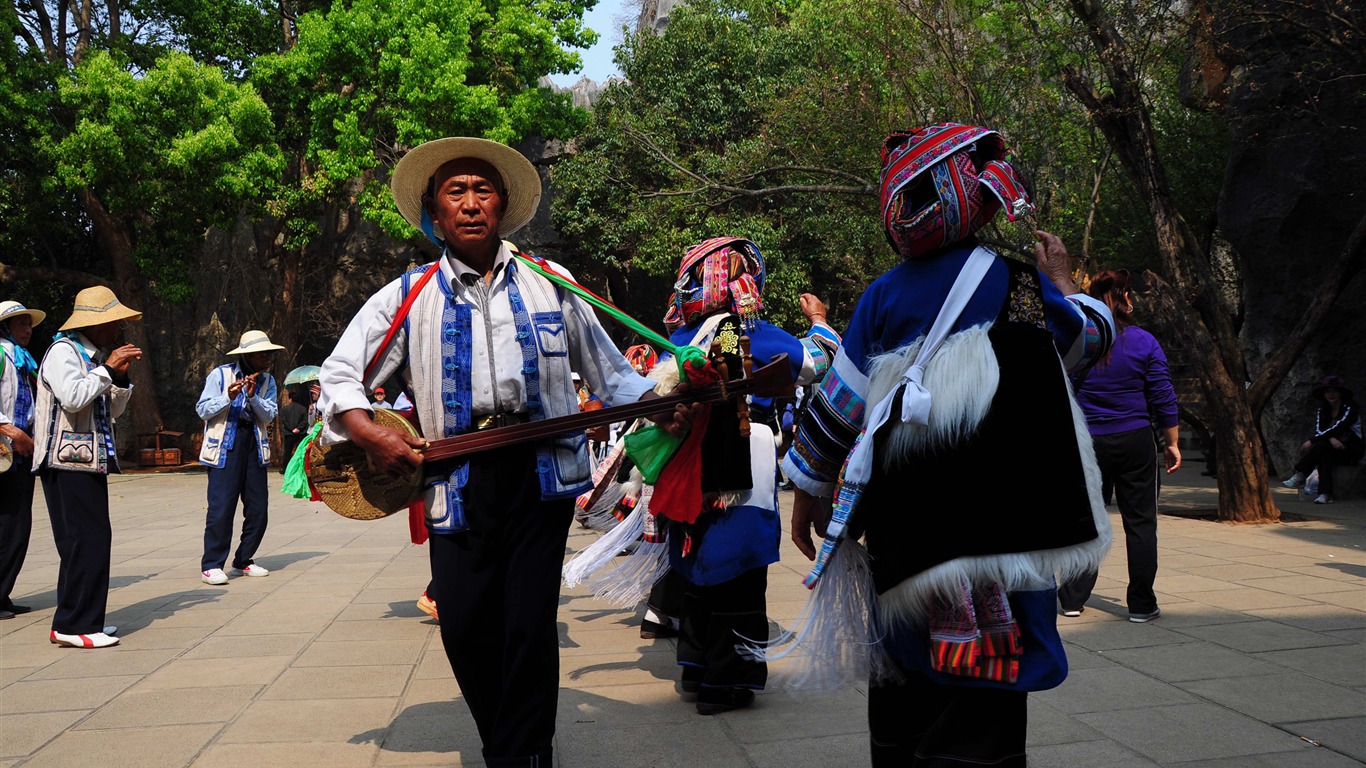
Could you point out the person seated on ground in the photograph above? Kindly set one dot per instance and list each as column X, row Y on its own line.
column 1336, row 439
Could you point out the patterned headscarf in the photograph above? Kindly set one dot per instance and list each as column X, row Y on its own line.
column 642, row 358
column 922, row 212
column 723, row 273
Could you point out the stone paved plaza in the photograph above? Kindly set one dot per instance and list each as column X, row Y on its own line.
column 1258, row 661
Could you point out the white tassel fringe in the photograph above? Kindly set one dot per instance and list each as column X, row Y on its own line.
column 630, row 582
column 834, row 641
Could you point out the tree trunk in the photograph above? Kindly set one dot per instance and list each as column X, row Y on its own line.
column 288, row 315
column 117, row 242
column 1191, row 300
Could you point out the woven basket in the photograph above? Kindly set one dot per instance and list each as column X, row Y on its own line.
column 349, row 486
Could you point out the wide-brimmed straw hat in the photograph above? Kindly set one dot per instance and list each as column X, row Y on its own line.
column 10, row 309
column 254, row 341
column 520, row 179
column 97, row 306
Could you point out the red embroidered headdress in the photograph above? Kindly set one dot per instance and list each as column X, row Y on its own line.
column 720, row 273
column 944, row 182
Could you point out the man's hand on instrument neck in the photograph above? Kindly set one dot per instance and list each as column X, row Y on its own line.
column 389, row 450
column 678, row 421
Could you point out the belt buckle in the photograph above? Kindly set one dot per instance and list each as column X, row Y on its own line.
column 491, row 421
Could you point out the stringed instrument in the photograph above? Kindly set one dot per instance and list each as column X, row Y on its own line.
column 342, row 476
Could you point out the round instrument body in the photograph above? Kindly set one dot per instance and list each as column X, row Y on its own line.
column 6, row 454
column 349, row 486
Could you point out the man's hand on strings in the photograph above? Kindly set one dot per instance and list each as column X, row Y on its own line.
column 390, row 451
column 807, row 512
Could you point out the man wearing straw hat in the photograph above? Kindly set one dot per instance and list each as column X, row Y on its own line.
column 18, row 377
column 237, row 405
column 83, row 390
column 487, row 343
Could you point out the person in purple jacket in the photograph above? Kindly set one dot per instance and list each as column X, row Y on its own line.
column 1124, row 397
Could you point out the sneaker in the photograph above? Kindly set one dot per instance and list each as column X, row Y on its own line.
column 1073, row 613
column 1296, row 481
column 1144, row 618
column 714, row 701
column 427, row 606
column 250, row 570
column 1324, row 499
column 97, row 640
column 214, row 576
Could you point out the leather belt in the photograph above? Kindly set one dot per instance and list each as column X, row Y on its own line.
column 496, row 420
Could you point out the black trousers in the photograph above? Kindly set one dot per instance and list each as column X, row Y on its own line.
column 289, row 444
column 921, row 724
column 717, row 617
column 497, row 586
column 1129, row 461
column 78, row 506
column 241, row 477
column 16, row 524
column 1323, row 457
column 666, row 596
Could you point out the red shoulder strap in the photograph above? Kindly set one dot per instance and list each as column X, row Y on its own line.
column 401, row 316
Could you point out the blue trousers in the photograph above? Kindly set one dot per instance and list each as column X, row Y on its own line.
column 242, row 477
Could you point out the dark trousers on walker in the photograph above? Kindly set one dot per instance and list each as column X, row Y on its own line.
column 498, row 588
column 78, row 506
column 1129, row 460
column 242, row 477
column 922, row 724
column 715, row 619
column 16, row 524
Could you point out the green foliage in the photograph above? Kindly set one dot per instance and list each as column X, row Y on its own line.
column 369, row 78
column 795, row 97
column 169, row 153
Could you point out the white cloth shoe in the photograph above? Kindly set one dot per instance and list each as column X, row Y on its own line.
column 97, row 640
column 214, row 576
column 250, row 570
column 1324, row 499
column 1296, row 481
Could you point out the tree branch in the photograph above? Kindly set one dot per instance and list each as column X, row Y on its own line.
column 10, row 273
column 1349, row 264
column 706, row 184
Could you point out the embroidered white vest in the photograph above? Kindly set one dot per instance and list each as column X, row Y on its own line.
column 438, row 334
column 216, row 428
column 50, row 420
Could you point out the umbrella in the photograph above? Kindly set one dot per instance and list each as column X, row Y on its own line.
column 302, row 375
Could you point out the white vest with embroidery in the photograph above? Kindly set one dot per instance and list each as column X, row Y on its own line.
column 562, row 463
column 216, row 428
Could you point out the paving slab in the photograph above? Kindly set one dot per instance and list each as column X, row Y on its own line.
column 1185, row 732
column 1340, row 665
column 1191, row 661
column 167, row 746
column 1258, row 660
column 1345, row 735
column 1111, row 689
column 1281, row 698
column 1257, row 636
